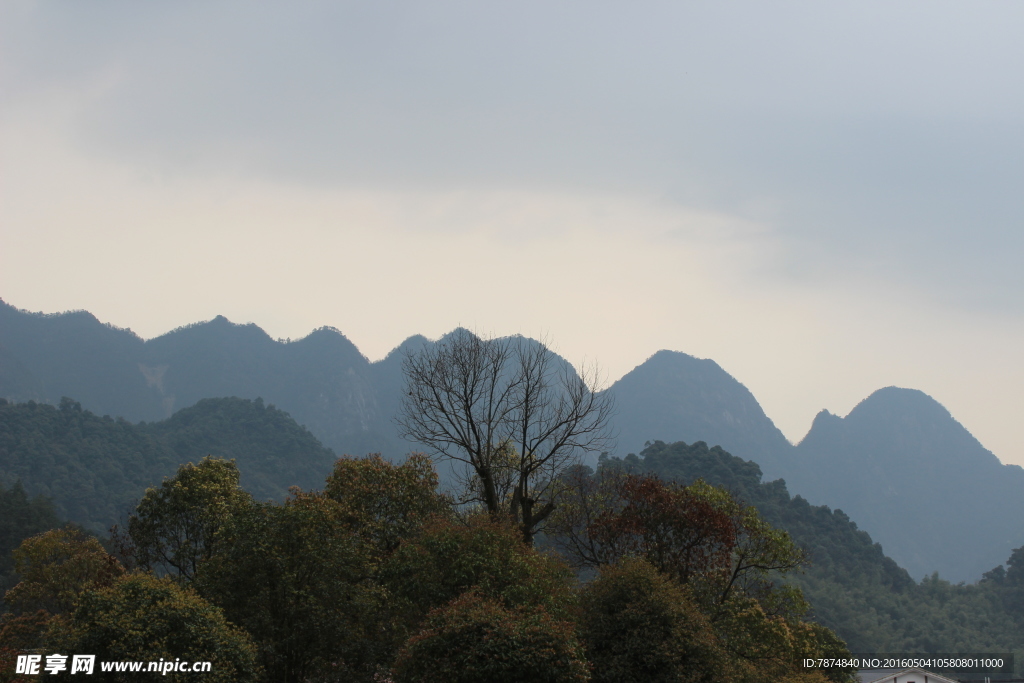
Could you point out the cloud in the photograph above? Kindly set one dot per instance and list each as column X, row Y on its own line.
column 771, row 185
column 879, row 141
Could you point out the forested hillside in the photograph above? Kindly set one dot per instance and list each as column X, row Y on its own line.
column 900, row 464
column 853, row 587
column 20, row 517
column 94, row 468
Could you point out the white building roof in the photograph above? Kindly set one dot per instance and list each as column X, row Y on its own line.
column 913, row 676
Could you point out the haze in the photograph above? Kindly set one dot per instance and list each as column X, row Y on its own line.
column 823, row 198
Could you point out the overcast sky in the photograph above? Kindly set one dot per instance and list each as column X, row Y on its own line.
column 825, row 198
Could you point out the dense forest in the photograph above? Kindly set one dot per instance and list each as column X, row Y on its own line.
column 100, row 471
column 377, row 576
column 20, row 518
column 94, row 468
column 853, row 588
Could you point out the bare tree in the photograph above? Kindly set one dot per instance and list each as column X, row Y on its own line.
column 509, row 413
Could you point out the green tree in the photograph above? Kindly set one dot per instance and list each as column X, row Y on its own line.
column 20, row 517
column 475, row 639
column 1009, row 586
column 298, row 579
column 56, row 567
column 174, row 527
column 639, row 625
column 145, row 618
column 448, row 559
column 385, row 503
column 18, row 634
column 767, row 647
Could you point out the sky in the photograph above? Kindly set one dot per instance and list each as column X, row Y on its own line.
column 824, row 198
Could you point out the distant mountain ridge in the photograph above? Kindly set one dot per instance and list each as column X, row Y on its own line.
column 906, row 470
column 872, row 464
column 321, row 379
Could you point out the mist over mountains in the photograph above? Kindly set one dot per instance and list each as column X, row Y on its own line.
column 899, row 465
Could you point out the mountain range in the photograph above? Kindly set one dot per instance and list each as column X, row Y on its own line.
column 92, row 470
column 899, row 464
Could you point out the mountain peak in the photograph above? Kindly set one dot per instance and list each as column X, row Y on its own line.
column 218, row 328
column 900, row 454
column 824, row 422
column 458, row 332
column 673, row 396
column 666, row 357
column 326, row 343
column 410, row 345
column 892, row 401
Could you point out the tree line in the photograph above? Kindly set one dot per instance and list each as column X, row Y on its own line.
column 378, row 577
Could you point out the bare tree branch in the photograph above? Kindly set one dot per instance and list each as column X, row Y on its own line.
column 514, row 420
